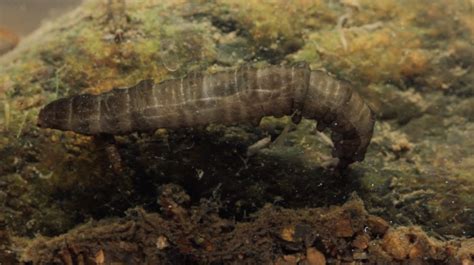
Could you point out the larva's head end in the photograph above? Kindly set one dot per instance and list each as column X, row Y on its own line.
column 54, row 115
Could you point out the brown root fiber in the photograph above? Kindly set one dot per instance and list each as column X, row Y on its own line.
column 197, row 235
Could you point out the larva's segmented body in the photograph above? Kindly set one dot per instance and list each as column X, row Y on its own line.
column 229, row 97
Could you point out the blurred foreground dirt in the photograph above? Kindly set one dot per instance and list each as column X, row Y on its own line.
column 197, row 235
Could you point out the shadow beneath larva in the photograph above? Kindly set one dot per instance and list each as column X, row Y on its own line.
column 217, row 170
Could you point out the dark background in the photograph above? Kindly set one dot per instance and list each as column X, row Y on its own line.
column 24, row 16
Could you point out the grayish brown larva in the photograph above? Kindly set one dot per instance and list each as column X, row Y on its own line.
column 229, row 97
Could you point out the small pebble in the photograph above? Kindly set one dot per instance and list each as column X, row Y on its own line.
column 377, row 225
column 315, row 257
column 361, row 241
column 162, row 242
column 343, row 228
column 357, row 255
column 288, row 234
column 396, row 244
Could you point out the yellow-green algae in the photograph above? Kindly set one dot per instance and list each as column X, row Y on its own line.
column 410, row 59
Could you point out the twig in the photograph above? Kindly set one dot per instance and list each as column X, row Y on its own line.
column 325, row 138
column 340, row 22
column 259, row 145
column 6, row 110
column 22, row 125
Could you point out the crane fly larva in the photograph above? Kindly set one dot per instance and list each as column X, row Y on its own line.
column 228, row 97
